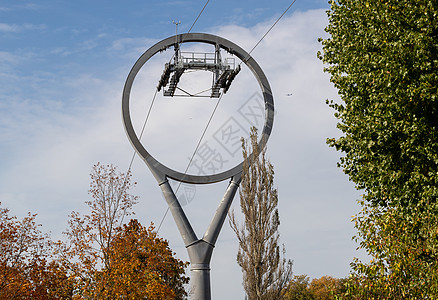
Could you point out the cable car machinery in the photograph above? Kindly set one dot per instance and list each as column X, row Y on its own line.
column 224, row 71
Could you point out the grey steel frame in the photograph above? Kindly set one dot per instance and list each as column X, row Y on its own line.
column 199, row 250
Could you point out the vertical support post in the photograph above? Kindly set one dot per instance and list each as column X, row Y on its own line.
column 176, row 47
column 200, row 256
column 200, row 283
column 200, row 252
column 217, row 61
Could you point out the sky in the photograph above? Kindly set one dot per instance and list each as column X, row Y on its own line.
column 63, row 65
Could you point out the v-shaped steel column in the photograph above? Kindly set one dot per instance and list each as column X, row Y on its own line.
column 200, row 250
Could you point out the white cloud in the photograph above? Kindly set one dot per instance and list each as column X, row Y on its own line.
column 14, row 28
column 8, row 27
column 8, row 58
column 25, row 6
column 131, row 47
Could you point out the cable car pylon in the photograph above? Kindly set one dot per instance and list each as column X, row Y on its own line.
column 199, row 249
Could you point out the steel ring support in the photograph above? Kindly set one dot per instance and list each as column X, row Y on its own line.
column 161, row 171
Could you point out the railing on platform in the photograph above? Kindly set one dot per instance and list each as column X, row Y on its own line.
column 203, row 59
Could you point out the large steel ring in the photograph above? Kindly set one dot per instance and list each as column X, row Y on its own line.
column 230, row 47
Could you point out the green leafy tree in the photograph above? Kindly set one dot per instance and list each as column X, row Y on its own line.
column 265, row 270
column 383, row 58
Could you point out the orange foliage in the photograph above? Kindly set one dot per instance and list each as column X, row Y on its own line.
column 326, row 288
column 27, row 267
column 111, row 260
column 103, row 258
column 142, row 266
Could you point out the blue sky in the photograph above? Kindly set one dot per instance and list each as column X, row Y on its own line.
column 63, row 65
column 68, row 36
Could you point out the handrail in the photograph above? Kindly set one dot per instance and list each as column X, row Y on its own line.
column 204, row 58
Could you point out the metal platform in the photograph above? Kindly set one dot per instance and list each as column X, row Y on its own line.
column 224, row 71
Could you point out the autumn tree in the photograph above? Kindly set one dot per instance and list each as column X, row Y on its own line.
column 28, row 269
column 324, row 288
column 382, row 57
column 110, row 259
column 327, row 288
column 265, row 270
column 143, row 266
column 298, row 288
column 90, row 236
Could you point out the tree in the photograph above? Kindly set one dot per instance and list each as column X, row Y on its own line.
column 110, row 259
column 324, row 288
column 265, row 270
column 298, row 288
column 327, row 288
column 90, row 235
column 28, row 269
column 143, row 266
column 382, row 58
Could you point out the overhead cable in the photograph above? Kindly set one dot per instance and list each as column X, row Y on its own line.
column 198, row 17
column 194, row 153
column 273, row 25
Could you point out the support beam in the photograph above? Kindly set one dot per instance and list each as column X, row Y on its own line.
column 200, row 250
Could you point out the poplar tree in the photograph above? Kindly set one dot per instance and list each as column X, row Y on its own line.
column 383, row 58
column 265, row 270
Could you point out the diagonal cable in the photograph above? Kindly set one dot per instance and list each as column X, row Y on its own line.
column 193, row 155
column 272, row 26
column 198, row 17
column 143, row 128
column 125, row 181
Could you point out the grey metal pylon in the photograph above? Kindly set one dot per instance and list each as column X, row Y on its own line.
column 199, row 250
